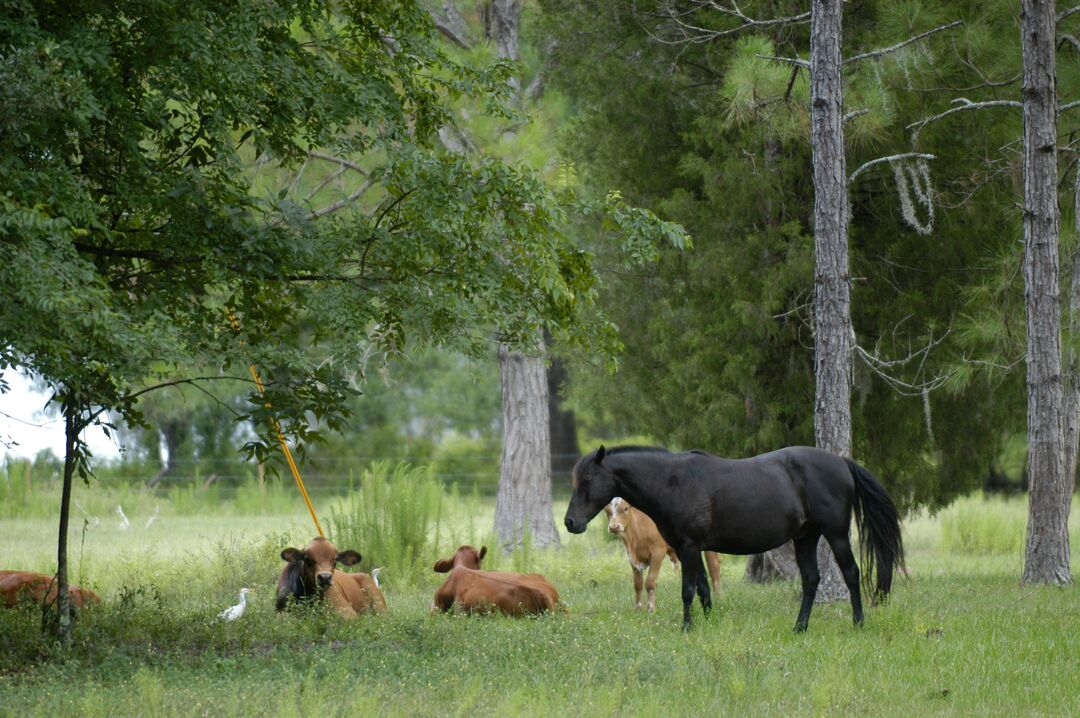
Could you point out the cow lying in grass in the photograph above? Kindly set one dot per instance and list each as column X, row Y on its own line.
column 646, row 548
column 477, row 591
column 39, row 588
column 311, row 574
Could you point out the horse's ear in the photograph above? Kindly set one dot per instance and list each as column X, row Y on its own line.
column 483, row 552
column 600, row 454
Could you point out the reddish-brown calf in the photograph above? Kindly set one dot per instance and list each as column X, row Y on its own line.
column 312, row 573
column 40, row 589
column 646, row 548
column 476, row 591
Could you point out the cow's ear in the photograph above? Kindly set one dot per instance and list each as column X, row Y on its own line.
column 483, row 552
column 348, row 558
column 291, row 554
column 443, row 565
column 600, row 454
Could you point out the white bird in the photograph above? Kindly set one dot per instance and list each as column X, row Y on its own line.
column 375, row 576
column 124, row 523
column 91, row 521
column 234, row 612
column 152, row 519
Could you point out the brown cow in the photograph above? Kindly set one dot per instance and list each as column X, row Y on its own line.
column 476, row 591
column 646, row 548
column 311, row 573
column 40, row 588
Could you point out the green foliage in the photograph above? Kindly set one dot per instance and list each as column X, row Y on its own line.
column 714, row 136
column 978, row 525
column 156, row 178
column 392, row 519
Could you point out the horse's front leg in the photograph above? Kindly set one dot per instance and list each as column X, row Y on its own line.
column 691, row 572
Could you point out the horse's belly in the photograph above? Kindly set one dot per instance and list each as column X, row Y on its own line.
column 744, row 538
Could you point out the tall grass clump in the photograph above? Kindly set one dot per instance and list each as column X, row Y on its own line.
column 392, row 519
column 984, row 525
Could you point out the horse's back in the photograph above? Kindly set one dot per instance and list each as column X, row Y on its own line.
column 760, row 502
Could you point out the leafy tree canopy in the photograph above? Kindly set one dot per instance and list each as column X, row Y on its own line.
column 166, row 163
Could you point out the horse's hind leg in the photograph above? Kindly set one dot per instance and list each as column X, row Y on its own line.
column 806, row 557
column 841, row 548
column 691, row 573
column 703, row 591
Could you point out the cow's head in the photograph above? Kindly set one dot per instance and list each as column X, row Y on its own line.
column 316, row 562
column 465, row 557
column 620, row 516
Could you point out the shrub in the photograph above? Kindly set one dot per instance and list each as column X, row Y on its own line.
column 392, row 520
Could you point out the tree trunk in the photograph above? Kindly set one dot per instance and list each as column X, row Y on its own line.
column 776, row 565
column 63, row 602
column 832, row 298
column 563, row 427
column 524, row 499
column 1046, row 558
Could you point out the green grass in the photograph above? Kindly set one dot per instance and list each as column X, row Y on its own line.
column 961, row 636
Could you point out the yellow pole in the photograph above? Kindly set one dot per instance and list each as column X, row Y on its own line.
column 281, row 438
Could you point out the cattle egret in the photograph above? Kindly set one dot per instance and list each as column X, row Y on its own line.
column 124, row 523
column 234, row 612
column 152, row 519
column 375, row 576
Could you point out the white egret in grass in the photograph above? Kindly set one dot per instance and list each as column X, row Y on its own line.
column 375, row 576
column 152, row 519
column 234, row 612
column 124, row 523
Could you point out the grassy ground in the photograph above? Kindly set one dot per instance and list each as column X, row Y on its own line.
column 961, row 636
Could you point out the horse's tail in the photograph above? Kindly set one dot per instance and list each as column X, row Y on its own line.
column 880, row 545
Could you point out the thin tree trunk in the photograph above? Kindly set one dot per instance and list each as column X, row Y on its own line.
column 1046, row 559
column 524, row 499
column 63, row 602
column 832, row 298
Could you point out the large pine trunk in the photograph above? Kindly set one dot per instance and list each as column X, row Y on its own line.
column 524, row 499
column 832, row 296
column 1046, row 558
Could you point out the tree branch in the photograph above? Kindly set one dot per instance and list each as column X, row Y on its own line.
column 691, row 33
column 964, row 104
column 1065, row 13
column 890, row 158
column 789, row 60
column 899, row 45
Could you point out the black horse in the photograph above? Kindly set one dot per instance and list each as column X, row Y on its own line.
column 702, row 502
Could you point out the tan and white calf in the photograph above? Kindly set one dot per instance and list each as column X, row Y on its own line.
column 646, row 548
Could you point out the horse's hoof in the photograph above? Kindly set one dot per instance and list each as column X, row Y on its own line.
column 800, row 628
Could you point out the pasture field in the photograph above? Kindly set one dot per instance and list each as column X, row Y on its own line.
column 961, row 636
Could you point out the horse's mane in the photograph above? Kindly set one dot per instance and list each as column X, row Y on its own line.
column 637, row 449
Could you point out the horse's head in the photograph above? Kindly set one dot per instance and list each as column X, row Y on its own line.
column 594, row 487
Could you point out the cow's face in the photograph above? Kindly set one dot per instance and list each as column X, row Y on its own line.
column 620, row 516
column 465, row 557
column 317, row 561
